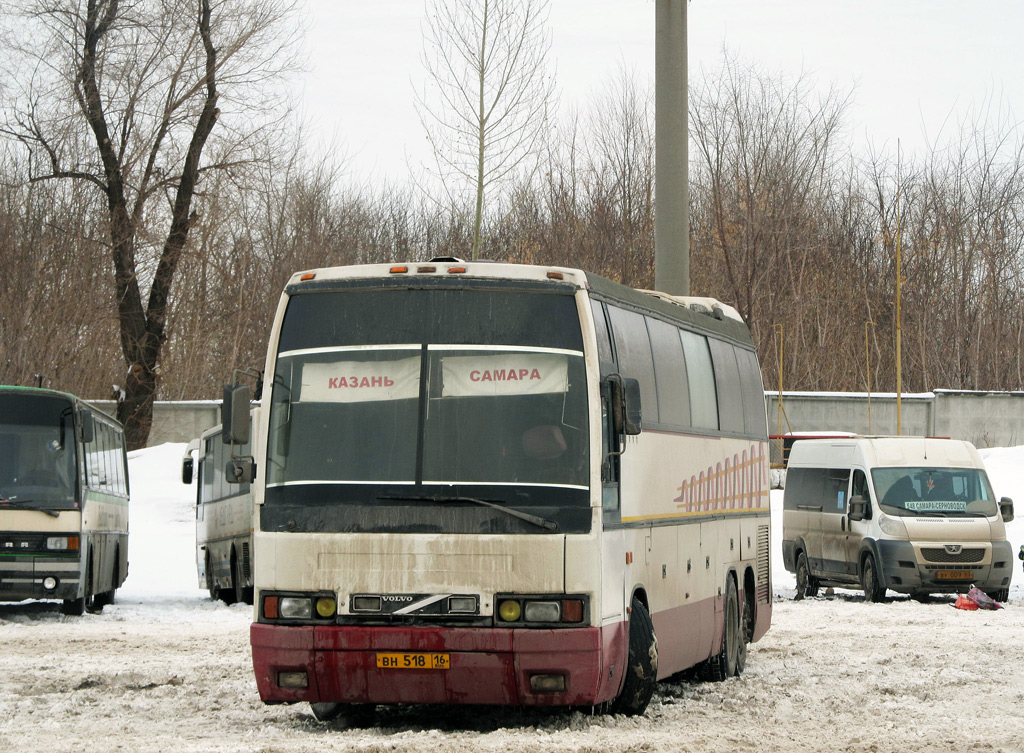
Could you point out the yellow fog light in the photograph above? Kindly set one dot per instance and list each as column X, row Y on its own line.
column 509, row 610
column 326, row 606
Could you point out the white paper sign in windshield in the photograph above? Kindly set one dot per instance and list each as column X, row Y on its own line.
column 360, row 381
column 505, row 374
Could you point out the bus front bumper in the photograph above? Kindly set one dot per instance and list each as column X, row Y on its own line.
column 27, row 578
column 485, row 666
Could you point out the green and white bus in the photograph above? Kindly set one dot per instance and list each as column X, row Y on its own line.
column 63, row 500
column 500, row 484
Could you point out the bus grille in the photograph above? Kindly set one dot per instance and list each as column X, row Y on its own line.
column 939, row 554
column 246, row 565
column 764, row 589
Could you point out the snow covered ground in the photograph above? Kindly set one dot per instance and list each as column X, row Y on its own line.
column 166, row 669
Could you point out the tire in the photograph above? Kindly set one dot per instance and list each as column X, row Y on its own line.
column 1000, row 594
column 78, row 607
column 237, row 581
column 806, row 584
column 73, row 607
column 350, row 715
column 746, row 631
column 210, row 585
column 641, row 675
column 723, row 665
column 874, row 591
column 229, row 595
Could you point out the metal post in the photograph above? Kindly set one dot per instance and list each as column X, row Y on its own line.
column 671, row 177
column 867, row 369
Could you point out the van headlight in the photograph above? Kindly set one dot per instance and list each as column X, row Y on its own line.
column 891, row 526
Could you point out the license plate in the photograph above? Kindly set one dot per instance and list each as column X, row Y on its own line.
column 955, row 574
column 414, row 661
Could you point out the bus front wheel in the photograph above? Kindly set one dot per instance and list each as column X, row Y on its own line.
column 641, row 666
column 349, row 715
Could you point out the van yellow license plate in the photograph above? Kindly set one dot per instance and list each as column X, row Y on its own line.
column 414, row 661
column 955, row 575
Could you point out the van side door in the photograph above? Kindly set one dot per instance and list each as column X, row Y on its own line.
column 856, row 530
column 834, row 509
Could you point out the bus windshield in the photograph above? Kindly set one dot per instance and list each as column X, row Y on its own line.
column 934, row 491
column 37, row 452
column 438, row 409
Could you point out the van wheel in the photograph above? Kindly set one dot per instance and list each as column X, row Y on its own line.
column 1000, row 595
column 641, row 665
column 806, row 584
column 873, row 590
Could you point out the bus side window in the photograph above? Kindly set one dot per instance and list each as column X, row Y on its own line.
column 633, row 351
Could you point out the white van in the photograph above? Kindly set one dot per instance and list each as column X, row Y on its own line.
column 910, row 514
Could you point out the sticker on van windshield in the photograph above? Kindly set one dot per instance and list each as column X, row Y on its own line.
column 936, row 506
column 840, row 500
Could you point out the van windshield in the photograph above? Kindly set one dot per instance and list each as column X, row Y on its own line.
column 934, row 491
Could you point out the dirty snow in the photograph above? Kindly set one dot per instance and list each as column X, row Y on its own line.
column 166, row 669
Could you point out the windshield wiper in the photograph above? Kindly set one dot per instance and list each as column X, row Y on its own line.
column 24, row 505
column 549, row 525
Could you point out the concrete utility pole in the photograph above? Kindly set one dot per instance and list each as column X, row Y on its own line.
column 671, row 159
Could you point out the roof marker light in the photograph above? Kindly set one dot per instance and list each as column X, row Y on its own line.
column 423, row 270
column 456, row 270
column 399, row 270
column 308, row 276
column 555, row 276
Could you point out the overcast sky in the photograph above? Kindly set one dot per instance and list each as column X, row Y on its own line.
column 913, row 64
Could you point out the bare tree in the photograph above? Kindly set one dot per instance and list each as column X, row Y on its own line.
column 125, row 96
column 488, row 94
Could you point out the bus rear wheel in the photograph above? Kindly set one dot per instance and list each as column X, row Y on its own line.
column 724, row 664
column 641, row 665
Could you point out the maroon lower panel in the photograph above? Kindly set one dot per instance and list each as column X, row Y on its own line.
column 490, row 666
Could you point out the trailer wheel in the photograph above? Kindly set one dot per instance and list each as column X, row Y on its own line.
column 641, row 666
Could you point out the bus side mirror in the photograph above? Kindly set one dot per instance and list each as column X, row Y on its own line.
column 234, row 413
column 240, row 471
column 857, row 507
column 625, row 405
column 1006, row 509
column 88, row 427
column 188, row 462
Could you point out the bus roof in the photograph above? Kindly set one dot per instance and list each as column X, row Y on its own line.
column 699, row 312
column 9, row 388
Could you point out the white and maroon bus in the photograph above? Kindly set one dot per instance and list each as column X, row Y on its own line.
column 482, row 483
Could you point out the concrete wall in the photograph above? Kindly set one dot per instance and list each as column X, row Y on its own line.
column 175, row 421
column 986, row 419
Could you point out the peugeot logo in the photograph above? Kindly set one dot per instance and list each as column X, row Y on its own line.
column 953, row 548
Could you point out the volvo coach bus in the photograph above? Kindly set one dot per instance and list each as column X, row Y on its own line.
column 484, row 483
column 223, row 518
column 63, row 500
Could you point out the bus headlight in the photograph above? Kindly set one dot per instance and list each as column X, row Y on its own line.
column 509, row 610
column 542, row 610
column 62, row 543
column 294, row 608
column 326, row 606
column 49, row 583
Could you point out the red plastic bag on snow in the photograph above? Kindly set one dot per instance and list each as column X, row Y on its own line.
column 965, row 602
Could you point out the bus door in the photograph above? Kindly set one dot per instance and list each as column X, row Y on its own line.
column 614, row 556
